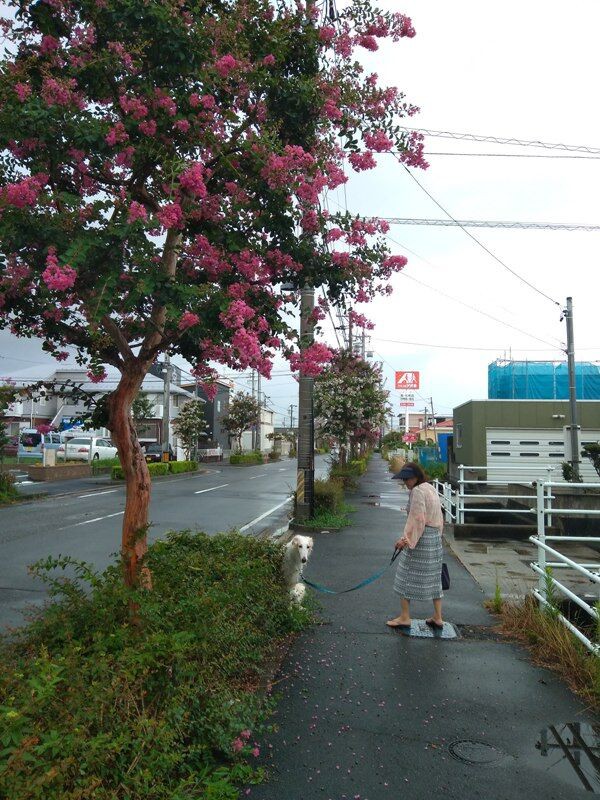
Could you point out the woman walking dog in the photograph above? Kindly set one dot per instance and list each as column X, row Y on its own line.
column 418, row 576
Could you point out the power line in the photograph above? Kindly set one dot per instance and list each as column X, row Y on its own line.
column 474, row 238
column 473, row 137
column 465, row 347
column 471, row 223
column 513, row 155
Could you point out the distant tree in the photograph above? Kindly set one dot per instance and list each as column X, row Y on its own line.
column 142, row 408
column 190, row 424
column 244, row 412
column 393, row 440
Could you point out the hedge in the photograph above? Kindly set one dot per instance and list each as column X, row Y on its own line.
column 182, row 466
column 153, row 469
column 329, row 495
column 246, row 458
column 274, row 456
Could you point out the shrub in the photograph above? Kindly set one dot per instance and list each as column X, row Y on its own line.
column 435, row 469
column 246, row 458
column 182, row 466
column 8, row 491
column 153, row 469
column 93, row 708
column 273, row 456
column 329, row 495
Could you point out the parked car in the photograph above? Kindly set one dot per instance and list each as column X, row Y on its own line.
column 32, row 443
column 154, row 453
column 78, row 448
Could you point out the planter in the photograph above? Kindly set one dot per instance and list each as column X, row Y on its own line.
column 39, row 473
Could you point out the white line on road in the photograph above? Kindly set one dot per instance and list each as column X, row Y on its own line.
column 94, row 494
column 282, row 469
column 266, row 514
column 201, row 491
column 97, row 519
column 262, row 475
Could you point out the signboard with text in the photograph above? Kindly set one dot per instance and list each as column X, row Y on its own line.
column 407, row 400
column 407, row 380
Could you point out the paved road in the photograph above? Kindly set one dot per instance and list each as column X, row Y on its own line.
column 87, row 525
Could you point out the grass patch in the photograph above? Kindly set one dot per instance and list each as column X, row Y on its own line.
column 553, row 646
column 246, row 458
column 332, row 520
column 169, row 709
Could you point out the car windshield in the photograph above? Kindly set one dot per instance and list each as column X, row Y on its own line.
column 154, row 448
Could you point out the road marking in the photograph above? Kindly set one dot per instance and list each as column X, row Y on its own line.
column 282, row 469
column 266, row 514
column 97, row 519
column 262, row 475
column 201, row 491
column 94, row 494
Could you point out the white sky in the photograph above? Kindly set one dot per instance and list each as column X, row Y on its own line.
column 526, row 70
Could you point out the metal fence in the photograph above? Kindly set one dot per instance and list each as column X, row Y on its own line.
column 454, row 506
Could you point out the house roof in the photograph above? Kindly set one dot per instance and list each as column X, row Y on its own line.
column 44, row 372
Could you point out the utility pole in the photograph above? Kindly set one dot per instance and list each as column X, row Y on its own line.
column 253, row 434
column 166, row 407
column 306, row 423
column 292, row 407
column 363, row 344
column 350, row 341
column 259, row 422
column 433, row 421
column 574, row 426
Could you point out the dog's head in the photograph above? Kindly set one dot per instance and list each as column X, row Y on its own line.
column 303, row 544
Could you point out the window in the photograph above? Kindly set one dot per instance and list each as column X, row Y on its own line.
column 500, row 454
column 556, row 455
column 529, row 455
column 218, row 406
column 458, row 434
column 500, row 441
column 528, row 442
column 556, row 444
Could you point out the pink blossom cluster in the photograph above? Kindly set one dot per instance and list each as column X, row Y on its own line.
column 170, row 215
column 360, row 320
column 116, row 134
column 248, row 349
column 136, row 211
column 96, row 375
column 311, row 361
column 279, row 169
column 148, row 127
column 61, row 93
column 163, row 101
column 119, row 50
column 238, row 313
column 188, row 320
column 23, row 91
column 43, row 428
column 133, row 107
column 378, row 141
column 362, row 161
column 192, row 180
column 25, row 192
column 48, row 45
column 226, row 64
column 57, row 278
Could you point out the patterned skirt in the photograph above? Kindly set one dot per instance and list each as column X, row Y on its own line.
column 418, row 576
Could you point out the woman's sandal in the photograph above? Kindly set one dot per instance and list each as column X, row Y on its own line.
column 433, row 624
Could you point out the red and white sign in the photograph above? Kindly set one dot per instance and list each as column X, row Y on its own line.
column 407, row 380
column 410, row 438
column 406, row 405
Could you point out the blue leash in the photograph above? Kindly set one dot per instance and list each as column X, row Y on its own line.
column 366, row 581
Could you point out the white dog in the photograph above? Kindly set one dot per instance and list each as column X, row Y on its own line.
column 296, row 553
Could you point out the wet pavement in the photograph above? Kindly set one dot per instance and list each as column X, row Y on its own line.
column 366, row 713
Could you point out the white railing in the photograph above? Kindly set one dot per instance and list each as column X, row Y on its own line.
column 454, row 507
column 543, row 567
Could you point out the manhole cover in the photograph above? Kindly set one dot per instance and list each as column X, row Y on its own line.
column 471, row 752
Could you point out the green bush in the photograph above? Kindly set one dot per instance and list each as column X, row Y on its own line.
column 246, row 458
column 93, row 707
column 154, row 469
column 273, row 456
column 329, row 495
column 182, row 466
column 8, row 491
column 436, row 469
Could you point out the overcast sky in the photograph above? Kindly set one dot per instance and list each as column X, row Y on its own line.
column 516, row 70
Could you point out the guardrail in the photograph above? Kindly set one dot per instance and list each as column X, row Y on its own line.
column 454, row 507
column 543, row 567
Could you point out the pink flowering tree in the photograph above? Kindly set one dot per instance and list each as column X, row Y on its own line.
column 160, row 182
column 350, row 403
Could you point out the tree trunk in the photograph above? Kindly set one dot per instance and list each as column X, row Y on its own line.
column 137, row 478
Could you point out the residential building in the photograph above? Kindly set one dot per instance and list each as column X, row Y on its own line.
column 214, row 410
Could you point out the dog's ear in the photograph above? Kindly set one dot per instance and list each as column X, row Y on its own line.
column 310, row 541
column 295, row 540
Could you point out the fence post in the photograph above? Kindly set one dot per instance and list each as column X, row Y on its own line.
column 460, row 503
column 541, row 536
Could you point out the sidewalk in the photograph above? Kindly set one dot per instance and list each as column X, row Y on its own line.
column 367, row 713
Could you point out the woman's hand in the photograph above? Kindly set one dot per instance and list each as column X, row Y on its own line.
column 401, row 543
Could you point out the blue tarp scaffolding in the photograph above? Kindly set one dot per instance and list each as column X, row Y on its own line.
column 541, row 380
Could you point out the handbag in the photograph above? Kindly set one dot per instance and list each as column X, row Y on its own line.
column 445, row 577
